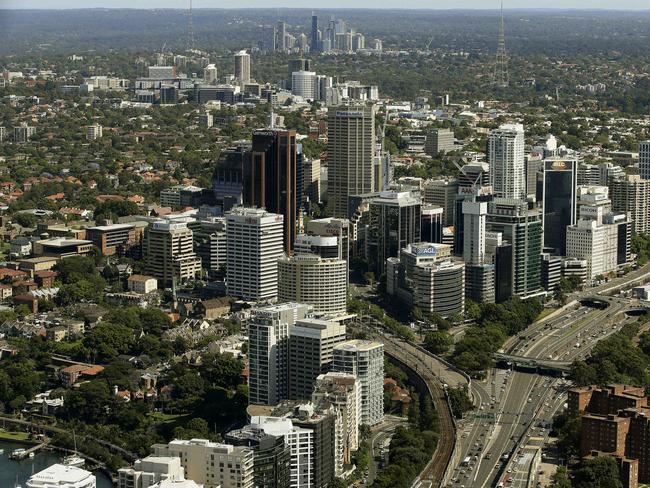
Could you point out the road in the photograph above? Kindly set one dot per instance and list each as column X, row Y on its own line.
column 381, row 435
column 512, row 402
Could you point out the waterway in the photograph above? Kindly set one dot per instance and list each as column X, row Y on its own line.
column 10, row 470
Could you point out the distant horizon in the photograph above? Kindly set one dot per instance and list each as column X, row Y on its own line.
column 447, row 5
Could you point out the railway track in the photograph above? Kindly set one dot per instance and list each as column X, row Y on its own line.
column 433, row 473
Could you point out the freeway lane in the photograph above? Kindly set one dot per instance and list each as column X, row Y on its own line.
column 523, row 394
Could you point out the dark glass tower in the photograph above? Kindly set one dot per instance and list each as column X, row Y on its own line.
column 560, row 181
column 314, row 34
column 273, row 177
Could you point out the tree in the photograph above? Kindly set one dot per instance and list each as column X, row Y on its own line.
column 560, row 478
column 599, row 472
column 438, row 342
column 109, row 340
column 25, row 220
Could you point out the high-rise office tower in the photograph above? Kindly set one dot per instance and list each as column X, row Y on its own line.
column 559, row 194
column 350, row 149
column 442, row 193
column 314, row 44
column 425, row 276
column 631, row 194
column 273, row 177
column 475, row 218
column 522, row 229
column 254, row 244
column 507, row 161
column 644, row 160
column 168, row 250
column 431, row 223
column 231, row 175
column 332, row 227
column 298, row 64
column 395, row 219
column 439, row 141
column 365, row 359
column 210, row 244
column 304, row 84
column 268, row 351
column 311, row 346
column 281, row 36
column 243, row 67
column 309, row 278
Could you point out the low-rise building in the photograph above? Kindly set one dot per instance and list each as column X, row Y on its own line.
column 142, row 284
column 146, row 472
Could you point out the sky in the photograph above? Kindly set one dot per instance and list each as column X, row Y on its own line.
column 430, row 4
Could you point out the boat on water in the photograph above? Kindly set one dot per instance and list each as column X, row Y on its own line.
column 17, row 453
column 2, row 451
column 73, row 460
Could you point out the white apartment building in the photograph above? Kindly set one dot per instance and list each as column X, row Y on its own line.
column 268, row 351
column 507, row 161
column 311, row 279
column 300, row 441
column 254, row 245
column 343, row 391
column 94, row 132
column 365, row 359
column 148, row 471
column 211, row 464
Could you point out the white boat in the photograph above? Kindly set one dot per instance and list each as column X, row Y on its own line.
column 31, row 455
column 2, row 451
column 74, row 460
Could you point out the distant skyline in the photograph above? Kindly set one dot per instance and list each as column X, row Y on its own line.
column 333, row 4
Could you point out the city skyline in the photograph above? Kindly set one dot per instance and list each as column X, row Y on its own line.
column 364, row 4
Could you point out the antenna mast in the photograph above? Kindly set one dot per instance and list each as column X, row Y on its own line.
column 501, row 66
column 190, row 29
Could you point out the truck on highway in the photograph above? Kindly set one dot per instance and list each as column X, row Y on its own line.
column 466, row 461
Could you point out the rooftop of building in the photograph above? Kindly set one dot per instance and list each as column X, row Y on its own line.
column 110, row 227
column 63, row 242
column 358, row 345
column 61, row 474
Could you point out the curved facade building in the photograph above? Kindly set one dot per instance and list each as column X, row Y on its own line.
column 316, row 281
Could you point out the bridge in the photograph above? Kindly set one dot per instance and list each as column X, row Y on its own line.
column 542, row 366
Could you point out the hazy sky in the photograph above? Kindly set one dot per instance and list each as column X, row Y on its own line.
column 432, row 4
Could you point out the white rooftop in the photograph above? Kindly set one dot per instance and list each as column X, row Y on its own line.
column 60, row 475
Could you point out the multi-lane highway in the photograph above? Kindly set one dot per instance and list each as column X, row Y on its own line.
column 512, row 403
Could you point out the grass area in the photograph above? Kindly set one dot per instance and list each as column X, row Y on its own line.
column 546, row 312
column 5, row 435
column 166, row 418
